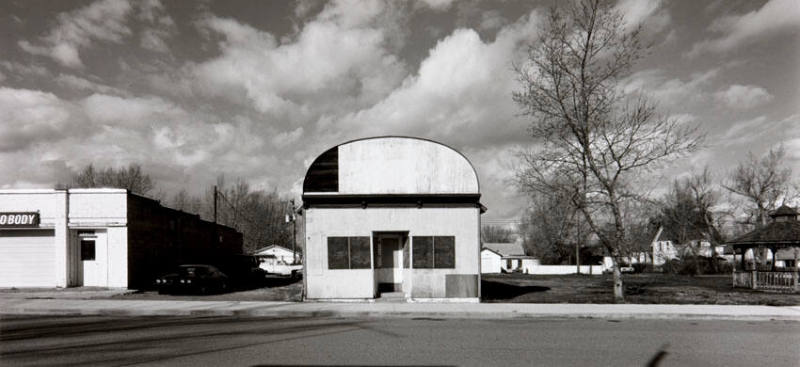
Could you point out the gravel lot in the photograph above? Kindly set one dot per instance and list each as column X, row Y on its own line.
column 275, row 289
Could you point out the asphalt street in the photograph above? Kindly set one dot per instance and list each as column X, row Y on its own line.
column 240, row 341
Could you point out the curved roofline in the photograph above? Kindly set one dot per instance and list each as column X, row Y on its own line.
column 475, row 171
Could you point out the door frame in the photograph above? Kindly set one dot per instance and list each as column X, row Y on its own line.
column 402, row 240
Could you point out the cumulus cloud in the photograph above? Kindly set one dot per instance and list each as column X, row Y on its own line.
column 103, row 20
column 341, row 58
column 461, row 91
column 76, row 82
column 25, row 70
column 743, row 96
column 440, row 5
column 32, row 117
column 159, row 26
column 674, row 94
column 774, row 17
column 650, row 14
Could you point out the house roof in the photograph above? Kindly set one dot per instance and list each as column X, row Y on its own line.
column 271, row 247
column 492, row 251
column 784, row 211
column 505, row 248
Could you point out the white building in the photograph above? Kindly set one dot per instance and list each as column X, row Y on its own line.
column 512, row 258
column 98, row 237
column 392, row 215
column 279, row 253
column 491, row 262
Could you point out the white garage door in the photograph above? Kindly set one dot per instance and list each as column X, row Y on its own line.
column 27, row 258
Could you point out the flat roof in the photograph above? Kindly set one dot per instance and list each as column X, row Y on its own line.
column 93, row 190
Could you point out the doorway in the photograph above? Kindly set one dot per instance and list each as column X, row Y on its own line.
column 92, row 258
column 389, row 260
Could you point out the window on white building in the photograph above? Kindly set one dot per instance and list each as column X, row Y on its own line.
column 348, row 253
column 434, row 252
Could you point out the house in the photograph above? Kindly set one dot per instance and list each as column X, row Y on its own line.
column 392, row 217
column 280, row 253
column 491, row 261
column 512, row 258
column 99, row 237
column 664, row 249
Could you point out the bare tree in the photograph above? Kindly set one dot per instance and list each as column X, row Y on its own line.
column 131, row 178
column 590, row 133
column 763, row 184
column 490, row 233
column 551, row 230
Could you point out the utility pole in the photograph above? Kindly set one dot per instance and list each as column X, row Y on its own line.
column 291, row 217
column 215, row 203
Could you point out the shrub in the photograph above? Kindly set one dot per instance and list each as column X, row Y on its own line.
column 693, row 265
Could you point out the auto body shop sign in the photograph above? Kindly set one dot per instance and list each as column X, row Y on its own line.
column 17, row 220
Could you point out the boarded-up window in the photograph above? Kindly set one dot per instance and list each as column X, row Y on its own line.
column 431, row 252
column 423, row 252
column 444, row 252
column 338, row 253
column 359, row 253
column 348, row 253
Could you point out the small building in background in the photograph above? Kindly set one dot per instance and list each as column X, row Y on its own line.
column 392, row 217
column 512, row 258
column 99, row 237
column 491, row 261
column 279, row 253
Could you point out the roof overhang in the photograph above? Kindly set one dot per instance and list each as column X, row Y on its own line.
column 446, row 200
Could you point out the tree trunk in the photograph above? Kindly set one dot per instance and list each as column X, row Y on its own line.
column 619, row 292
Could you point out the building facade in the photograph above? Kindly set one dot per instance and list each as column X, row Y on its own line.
column 392, row 215
column 99, row 237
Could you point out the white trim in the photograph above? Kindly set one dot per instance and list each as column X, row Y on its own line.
column 445, row 300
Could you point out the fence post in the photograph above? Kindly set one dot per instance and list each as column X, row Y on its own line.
column 794, row 280
column 734, row 277
column 754, row 279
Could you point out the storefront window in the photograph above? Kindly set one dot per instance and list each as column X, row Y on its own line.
column 348, row 253
column 434, row 252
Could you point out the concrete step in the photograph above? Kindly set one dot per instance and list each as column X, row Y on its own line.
column 392, row 297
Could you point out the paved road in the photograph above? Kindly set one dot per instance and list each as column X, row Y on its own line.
column 232, row 341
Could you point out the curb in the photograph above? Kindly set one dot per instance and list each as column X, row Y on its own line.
column 376, row 314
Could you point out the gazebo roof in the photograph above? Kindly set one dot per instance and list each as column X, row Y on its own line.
column 779, row 233
column 784, row 211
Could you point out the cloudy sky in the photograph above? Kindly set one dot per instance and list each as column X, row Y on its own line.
column 257, row 89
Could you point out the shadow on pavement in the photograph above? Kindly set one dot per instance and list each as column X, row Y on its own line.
column 499, row 291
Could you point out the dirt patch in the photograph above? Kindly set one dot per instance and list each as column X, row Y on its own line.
column 639, row 288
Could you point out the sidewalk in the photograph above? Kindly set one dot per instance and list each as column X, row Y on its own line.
column 27, row 306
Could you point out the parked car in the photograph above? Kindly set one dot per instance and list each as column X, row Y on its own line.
column 193, row 278
column 275, row 266
column 242, row 270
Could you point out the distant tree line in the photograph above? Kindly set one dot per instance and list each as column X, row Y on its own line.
column 258, row 214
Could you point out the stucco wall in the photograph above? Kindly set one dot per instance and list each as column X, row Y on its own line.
column 403, row 165
column 426, row 283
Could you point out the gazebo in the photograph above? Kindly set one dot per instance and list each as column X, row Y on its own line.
column 761, row 273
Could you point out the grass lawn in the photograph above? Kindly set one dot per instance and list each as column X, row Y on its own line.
column 639, row 288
